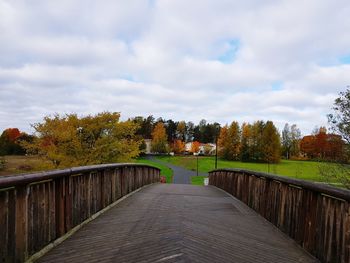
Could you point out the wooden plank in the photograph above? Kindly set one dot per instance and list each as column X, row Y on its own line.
column 21, row 228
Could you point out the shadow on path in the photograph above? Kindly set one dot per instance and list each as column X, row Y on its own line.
column 180, row 175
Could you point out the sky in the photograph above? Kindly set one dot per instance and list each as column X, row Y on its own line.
column 219, row 60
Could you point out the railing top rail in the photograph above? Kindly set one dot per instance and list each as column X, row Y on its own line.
column 23, row 179
column 317, row 187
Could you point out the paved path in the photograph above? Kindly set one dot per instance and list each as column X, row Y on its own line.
column 180, row 174
column 179, row 223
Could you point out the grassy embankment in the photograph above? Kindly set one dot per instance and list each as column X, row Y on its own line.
column 16, row 164
column 164, row 170
column 305, row 170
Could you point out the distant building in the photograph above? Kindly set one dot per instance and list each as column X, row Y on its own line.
column 204, row 148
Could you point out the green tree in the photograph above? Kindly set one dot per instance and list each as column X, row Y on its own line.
column 159, row 139
column 286, row 141
column 295, row 140
column 246, row 142
column 72, row 141
column 256, row 152
column 181, row 131
column 340, row 118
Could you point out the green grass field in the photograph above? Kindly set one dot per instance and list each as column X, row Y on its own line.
column 306, row 170
column 164, row 171
column 198, row 180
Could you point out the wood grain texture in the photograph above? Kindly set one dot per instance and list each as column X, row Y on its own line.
column 315, row 216
column 179, row 223
column 36, row 209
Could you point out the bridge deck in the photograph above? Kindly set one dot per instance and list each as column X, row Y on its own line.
column 179, row 223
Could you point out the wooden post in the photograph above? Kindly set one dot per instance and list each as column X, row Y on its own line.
column 21, row 227
column 59, row 206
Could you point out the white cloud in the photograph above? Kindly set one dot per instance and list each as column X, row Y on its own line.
column 163, row 58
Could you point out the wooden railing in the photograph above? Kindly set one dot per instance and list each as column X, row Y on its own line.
column 36, row 209
column 315, row 215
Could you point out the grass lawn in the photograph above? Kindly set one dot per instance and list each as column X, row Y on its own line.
column 306, row 170
column 16, row 164
column 165, row 171
column 198, row 180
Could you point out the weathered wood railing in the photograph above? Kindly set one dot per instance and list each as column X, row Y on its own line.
column 316, row 216
column 36, row 209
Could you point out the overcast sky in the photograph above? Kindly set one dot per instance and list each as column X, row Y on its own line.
column 220, row 60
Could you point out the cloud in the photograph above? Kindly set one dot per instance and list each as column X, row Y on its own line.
column 219, row 60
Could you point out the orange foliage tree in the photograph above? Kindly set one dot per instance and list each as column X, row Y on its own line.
column 323, row 145
column 195, row 147
column 159, row 138
column 178, row 146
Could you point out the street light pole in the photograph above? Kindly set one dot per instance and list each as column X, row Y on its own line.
column 216, row 153
column 197, row 164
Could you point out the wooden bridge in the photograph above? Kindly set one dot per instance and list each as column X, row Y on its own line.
column 119, row 213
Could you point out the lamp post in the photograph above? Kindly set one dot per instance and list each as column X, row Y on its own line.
column 216, row 146
column 216, row 152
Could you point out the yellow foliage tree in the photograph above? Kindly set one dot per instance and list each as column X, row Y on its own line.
column 159, row 139
column 72, row 141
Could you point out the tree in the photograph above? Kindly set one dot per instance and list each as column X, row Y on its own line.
column 340, row 118
column 340, row 122
column 190, row 131
column 286, row 141
column 256, row 149
column 159, row 139
column 229, row 142
column 295, row 140
column 195, row 147
column 245, row 142
column 145, row 126
column 291, row 136
column 307, row 146
column 181, row 131
column 178, row 146
column 271, row 143
column 170, row 127
column 323, row 146
column 72, row 141
column 10, row 142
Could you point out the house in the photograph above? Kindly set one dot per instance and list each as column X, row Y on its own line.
column 204, row 148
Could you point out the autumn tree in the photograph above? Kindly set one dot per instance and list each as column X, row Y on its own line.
column 229, row 142
column 256, row 148
column 195, row 147
column 323, row 146
column 159, row 139
column 94, row 139
column 246, row 142
column 307, row 146
column 178, row 146
column 181, row 131
column 10, row 142
column 271, row 143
